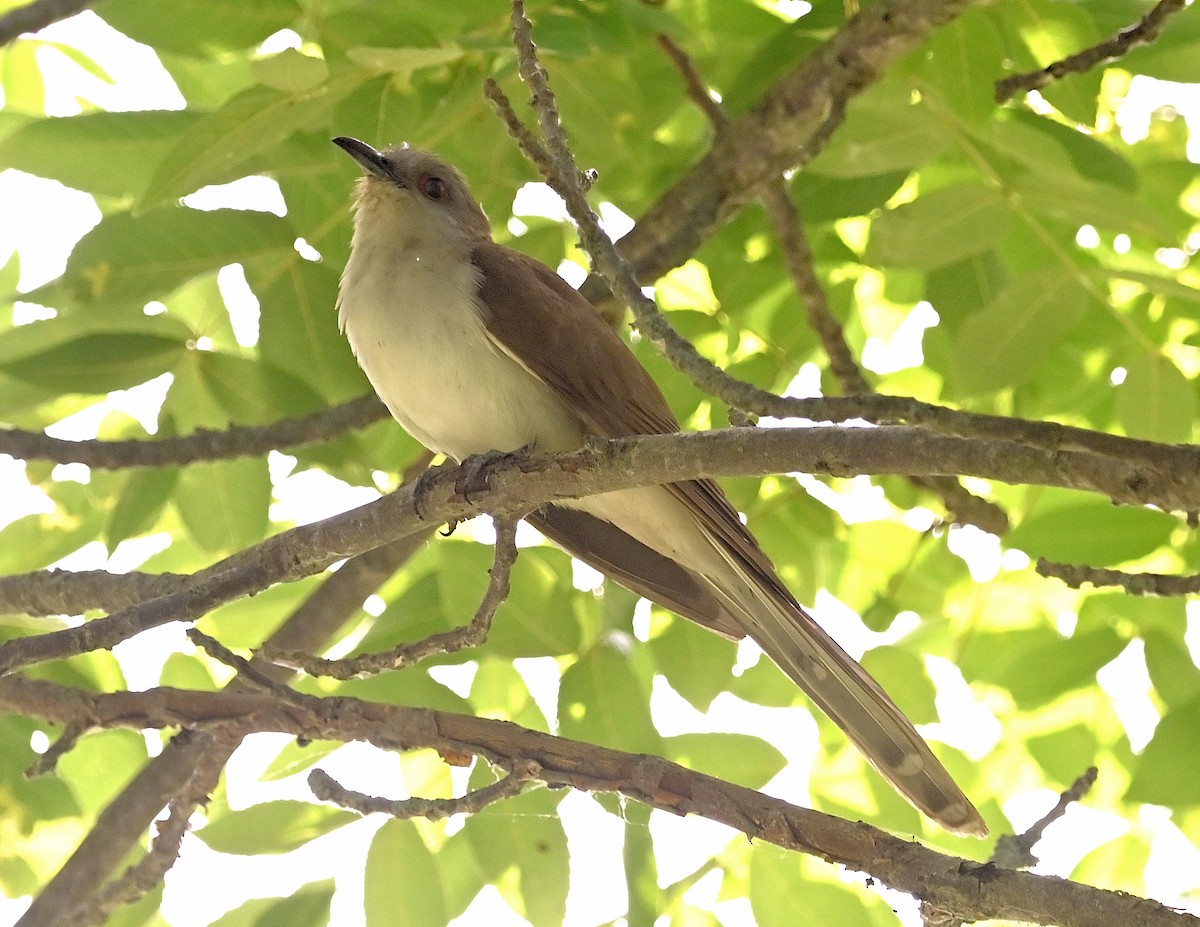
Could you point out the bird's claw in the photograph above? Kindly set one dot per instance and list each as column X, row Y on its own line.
column 475, row 476
column 421, row 489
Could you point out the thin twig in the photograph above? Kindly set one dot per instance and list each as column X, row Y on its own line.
column 203, row 444
column 1143, row 32
column 1076, row 575
column 606, row 259
column 47, row 761
column 525, row 138
column 252, row 675
column 1015, row 851
column 469, row 635
column 37, row 15
column 695, row 86
column 326, row 788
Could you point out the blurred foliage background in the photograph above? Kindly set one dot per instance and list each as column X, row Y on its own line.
column 1052, row 236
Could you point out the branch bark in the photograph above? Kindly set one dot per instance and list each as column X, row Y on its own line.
column 972, row 890
column 37, row 15
column 204, row 444
column 525, row 483
column 122, row 824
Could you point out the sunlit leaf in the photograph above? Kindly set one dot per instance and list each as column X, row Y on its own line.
column 272, row 827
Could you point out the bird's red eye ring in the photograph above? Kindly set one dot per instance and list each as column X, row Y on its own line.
column 434, row 187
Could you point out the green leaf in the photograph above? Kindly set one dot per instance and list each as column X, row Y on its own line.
column 272, row 827
column 1005, row 343
column 297, row 758
column 254, row 392
column 939, row 228
column 963, row 61
column 1078, row 201
column 138, row 506
column 309, row 905
column 957, row 290
column 212, row 150
column 696, row 662
column 119, row 147
column 601, row 701
column 98, row 363
column 1064, row 666
column 738, row 758
column 224, row 503
column 402, row 879
column 1172, row 670
column 290, row 71
column 822, row 198
column 1156, row 402
column 776, row 902
column 902, row 675
column 1064, row 753
column 403, row 61
column 298, row 328
column 101, row 765
column 24, row 91
column 128, row 260
column 1091, row 531
column 1174, row 747
column 525, row 834
column 198, row 27
column 882, row 133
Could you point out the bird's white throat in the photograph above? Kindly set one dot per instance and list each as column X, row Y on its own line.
column 414, row 321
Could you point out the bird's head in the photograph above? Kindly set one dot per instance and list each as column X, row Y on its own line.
column 415, row 193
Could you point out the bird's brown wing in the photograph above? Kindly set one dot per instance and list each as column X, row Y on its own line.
column 542, row 322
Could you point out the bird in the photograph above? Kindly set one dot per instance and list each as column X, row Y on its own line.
column 478, row 349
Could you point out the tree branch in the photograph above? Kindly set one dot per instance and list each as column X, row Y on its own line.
column 972, row 890
column 963, row 506
column 1077, row 575
column 1143, row 32
column 121, row 825
column 204, row 444
column 525, row 483
column 469, row 635
column 785, row 129
column 37, row 15
column 326, row 788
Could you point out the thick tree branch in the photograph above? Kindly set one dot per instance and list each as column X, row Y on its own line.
column 236, row 441
column 525, row 483
column 37, row 15
column 69, row 592
column 972, row 890
column 786, row 129
column 1143, row 32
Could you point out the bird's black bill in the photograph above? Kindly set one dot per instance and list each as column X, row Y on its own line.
column 367, row 157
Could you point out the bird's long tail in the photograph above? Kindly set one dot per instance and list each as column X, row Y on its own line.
column 850, row 697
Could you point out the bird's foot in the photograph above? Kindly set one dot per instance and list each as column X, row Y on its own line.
column 474, row 478
column 420, row 490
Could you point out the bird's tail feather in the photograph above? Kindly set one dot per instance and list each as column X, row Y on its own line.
column 850, row 697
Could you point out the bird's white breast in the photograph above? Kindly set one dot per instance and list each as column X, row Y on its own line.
column 417, row 329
